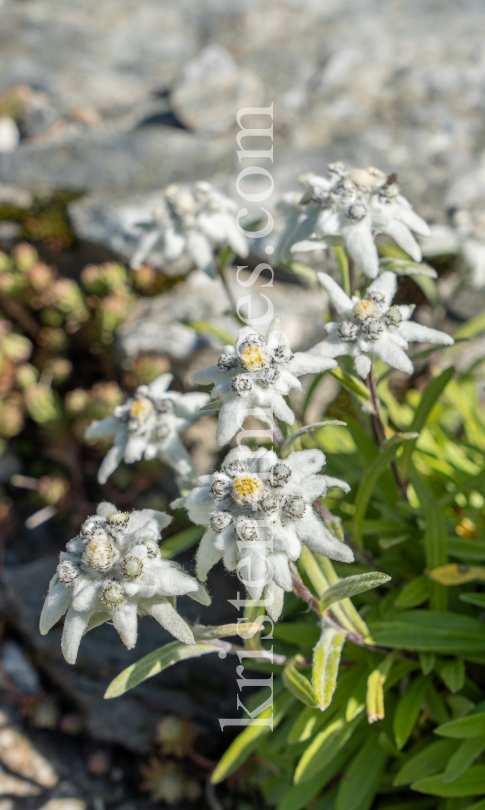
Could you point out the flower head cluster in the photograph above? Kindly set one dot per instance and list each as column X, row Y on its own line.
column 113, row 570
column 258, row 511
column 149, row 425
column 192, row 219
column 256, row 374
column 372, row 327
column 465, row 235
column 349, row 207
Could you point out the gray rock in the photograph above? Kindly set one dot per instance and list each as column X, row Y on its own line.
column 211, row 88
column 18, row 669
column 159, row 324
column 200, row 689
column 105, row 159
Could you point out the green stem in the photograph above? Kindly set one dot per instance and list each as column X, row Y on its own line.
column 343, row 263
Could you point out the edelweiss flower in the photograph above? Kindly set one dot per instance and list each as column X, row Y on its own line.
column 258, row 511
column 193, row 219
column 465, row 235
column 113, row 571
column 149, row 425
column 349, row 208
column 257, row 374
column 372, row 327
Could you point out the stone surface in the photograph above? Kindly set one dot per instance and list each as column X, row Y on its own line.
column 201, row 689
column 210, row 87
column 9, row 135
column 64, row 804
column 398, row 85
column 161, row 324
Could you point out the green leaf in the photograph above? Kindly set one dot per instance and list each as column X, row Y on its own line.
column 470, row 783
column 477, row 805
column 206, row 328
column 351, row 383
column 406, row 267
column 326, row 661
column 359, row 783
column 303, row 270
column 309, row 429
column 153, row 663
column 472, row 328
column 370, row 479
column 343, row 263
column 473, row 725
column 324, row 748
column 304, row 725
column 463, row 758
column 477, row 599
column 305, row 635
column 247, row 742
column 206, row 632
column 408, row 710
column 211, row 406
column 375, row 689
column 427, row 662
column 181, row 541
column 413, row 594
column 428, row 400
column 322, row 575
column 436, row 552
column 426, row 762
column 350, row 586
column 299, row 686
column 452, row 674
column 436, row 705
column 430, row 631
column 298, row 796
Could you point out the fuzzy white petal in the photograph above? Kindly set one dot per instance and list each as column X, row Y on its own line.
column 57, row 602
column 231, row 417
column 305, row 363
column 176, row 456
column 363, row 365
column 416, row 332
column 361, row 246
column 313, row 533
column 125, row 621
column 303, row 463
column 199, row 505
column 281, row 571
column 404, row 238
column 386, row 285
column 392, row 354
column 207, row 555
column 167, row 616
column 105, row 428
column 160, row 385
column 135, row 447
column 110, row 462
column 274, row 598
column 75, row 625
column 339, row 299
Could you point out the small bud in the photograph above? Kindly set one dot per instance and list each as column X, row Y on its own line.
column 221, row 486
column 242, row 385
column 67, row 572
column 220, row 521
column 112, row 595
column 132, row 567
column 294, row 506
column 279, row 475
column 247, row 528
column 99, row 553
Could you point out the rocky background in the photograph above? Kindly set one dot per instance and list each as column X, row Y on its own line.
column 101, row 105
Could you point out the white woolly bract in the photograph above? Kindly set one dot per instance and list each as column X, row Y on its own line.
column 261, row 530
column 114, row 571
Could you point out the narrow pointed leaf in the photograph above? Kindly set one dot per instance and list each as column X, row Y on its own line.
column 427, row 662
column 299, row 686
column 309, row 429
column 426, row 762
column 370, row 479
column 211, row 406
column 351, row 383
column 322, row 575
column 359, row 783
column 477, row 599
column 463, row 758
column 153, row 663
column 180, row 542
column 326, row 660
column 473, row 725
column 452, row 674
column 350, row 586
column 430, row 631
column 324, row 748
column 244, row 745
column 436, row 551
column 470, row 783
column 304, row 725
column 413, row 594
column 408, row 710
column 204, row 633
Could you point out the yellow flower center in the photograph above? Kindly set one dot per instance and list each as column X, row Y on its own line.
column 366, row 309
column 141, row 408
column 253, row 358
column 248, row 488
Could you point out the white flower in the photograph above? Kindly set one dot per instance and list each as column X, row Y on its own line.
column 193, row 219
column 465, row 235
column 258, row 511
column 349, row 208
column 149, row 425
column 257, row 374
column 113, row 571
column 371, row 326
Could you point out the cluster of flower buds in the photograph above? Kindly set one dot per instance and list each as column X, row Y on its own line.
column 114, row 571
column 194, row 219
column 258, row 511
column 349, row 207
column 149, row 426
column 256, row 375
